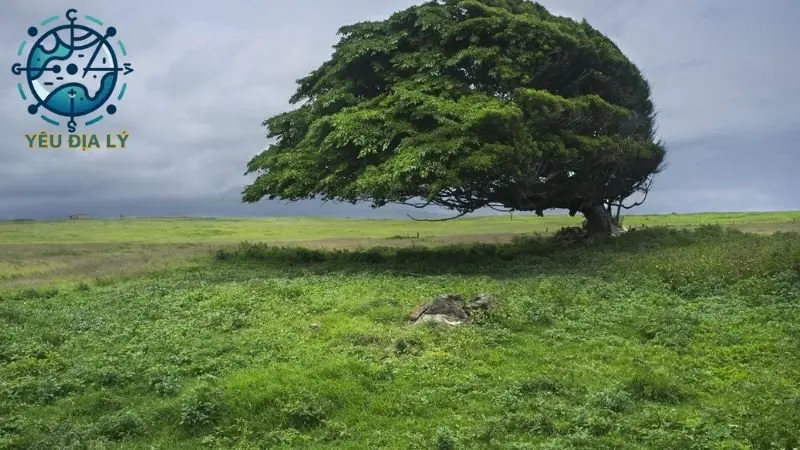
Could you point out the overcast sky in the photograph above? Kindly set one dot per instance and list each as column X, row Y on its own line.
column 725, row 76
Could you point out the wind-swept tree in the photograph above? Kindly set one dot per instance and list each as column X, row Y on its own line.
column 467, row 104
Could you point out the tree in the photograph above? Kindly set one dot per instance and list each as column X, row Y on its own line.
column 467, row 104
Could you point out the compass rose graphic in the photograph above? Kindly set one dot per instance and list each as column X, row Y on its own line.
column 72, row 71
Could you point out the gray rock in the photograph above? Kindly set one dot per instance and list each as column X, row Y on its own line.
column 414, row 316
column 439, row 318
column 447, row 309
column 451, row 309
column 449, row 305
column 480, row 302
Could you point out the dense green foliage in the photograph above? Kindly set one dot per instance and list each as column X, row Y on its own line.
column 658, row 339
column 466, row 104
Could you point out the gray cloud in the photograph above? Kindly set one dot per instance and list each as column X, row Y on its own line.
column 724, row 77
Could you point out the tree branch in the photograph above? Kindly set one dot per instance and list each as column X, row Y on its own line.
column 438, row 220
column 494, row 208
column 635, row 204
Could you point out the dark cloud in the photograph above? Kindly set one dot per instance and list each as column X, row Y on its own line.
column 724, row 76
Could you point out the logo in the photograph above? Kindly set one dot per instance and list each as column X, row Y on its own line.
column 73, row 77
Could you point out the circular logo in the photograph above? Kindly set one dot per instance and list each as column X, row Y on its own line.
column 72, row 71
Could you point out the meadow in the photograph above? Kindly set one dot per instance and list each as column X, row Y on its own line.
column 291, row 333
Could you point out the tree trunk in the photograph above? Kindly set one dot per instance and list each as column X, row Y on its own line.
column 600, row 223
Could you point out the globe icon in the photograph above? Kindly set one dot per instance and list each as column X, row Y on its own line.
column 72, row 70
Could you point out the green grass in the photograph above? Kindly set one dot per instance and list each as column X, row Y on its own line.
column 189, row 230
column 662, row 338
column 35, row 253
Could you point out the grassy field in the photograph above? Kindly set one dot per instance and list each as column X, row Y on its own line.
column 169, row 333
column 191, row 230
column 33, row 253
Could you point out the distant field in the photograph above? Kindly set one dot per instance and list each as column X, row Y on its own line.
column 225, row 230
column 33, row 253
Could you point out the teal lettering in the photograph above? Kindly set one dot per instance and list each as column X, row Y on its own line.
column 123, row 137
column 94, row 142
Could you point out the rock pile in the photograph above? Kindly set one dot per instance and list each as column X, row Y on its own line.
column 451, row 309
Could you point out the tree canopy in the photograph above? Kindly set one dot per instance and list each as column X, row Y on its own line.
column 466, row 104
